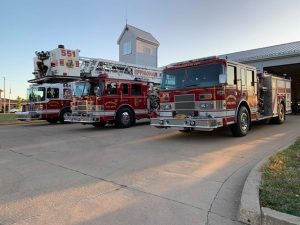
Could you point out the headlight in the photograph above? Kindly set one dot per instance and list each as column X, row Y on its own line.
column 206, row 105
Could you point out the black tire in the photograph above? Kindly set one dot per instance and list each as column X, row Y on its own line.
column 99, row 124
column 281, row 114
column 52, row 120
column 124, row 118
column 241, row 127
column 62, row 115
column 186, row 130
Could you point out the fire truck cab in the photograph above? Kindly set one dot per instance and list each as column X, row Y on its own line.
column 208, row 93
column 114, row 92
column 49, row 96
column 47, row 101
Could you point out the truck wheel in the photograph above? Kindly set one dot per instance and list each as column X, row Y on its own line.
column 52, row 120
column 281, row 114
column 241, row 127
column 186, row 130
column 124, row 118
column 62, row 115
column 99, row 124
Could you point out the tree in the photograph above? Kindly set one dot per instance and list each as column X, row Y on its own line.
column 19, row 103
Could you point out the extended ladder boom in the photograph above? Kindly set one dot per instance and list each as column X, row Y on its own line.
column 93, row 67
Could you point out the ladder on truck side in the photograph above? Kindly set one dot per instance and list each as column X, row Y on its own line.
column 93, row 67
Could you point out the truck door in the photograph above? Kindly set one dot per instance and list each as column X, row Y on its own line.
column 111, row 97
column 139, row 97
column 232, row 89
column 124, row 89
column 251, row 85
column 248, row 87
column 53, row 105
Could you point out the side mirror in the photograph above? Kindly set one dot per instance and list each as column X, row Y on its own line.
column 222, row 78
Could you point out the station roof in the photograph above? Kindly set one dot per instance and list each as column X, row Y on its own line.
column 266, row 53
column 144, row 35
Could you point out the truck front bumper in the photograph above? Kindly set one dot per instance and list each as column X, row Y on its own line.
column 207, row 124
column 29, row 116
column 77, row 118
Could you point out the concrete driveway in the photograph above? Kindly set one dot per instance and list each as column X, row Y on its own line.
column 75, row 174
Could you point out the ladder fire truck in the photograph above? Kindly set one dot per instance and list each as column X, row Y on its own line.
column 114, row 92
column 50, row 95
column 208, row 93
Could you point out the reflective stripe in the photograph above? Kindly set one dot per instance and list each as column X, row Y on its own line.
column 218, row 113
column 140, row 111
column 106, row 113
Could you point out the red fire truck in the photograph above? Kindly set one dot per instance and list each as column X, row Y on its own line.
column 49, row 97
column 114, row 92
column 208, row 93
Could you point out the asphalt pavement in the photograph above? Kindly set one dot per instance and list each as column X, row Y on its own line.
column 75, row 174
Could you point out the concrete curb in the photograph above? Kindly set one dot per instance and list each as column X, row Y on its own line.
column 21, row 122
column 271, row 217
column 250, row 210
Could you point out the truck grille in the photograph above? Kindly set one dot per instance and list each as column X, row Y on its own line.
column 185, row 104
column 31, row 107
column 83, row 106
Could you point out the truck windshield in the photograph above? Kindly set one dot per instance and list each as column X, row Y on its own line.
column 87, row 88
column 81, row 89
column 200, row 76
column 36, row 94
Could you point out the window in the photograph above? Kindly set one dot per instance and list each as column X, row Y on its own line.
column 81, row 89
column 67, row 93
column 52, row 93
column 196, row 76
column 243, row 77
column 251, row 78
column 136, row 89
column 127, row 48
column 147, row 51
column 36, row 94
column 111, row 88
column 125, row 89
column 231, row 75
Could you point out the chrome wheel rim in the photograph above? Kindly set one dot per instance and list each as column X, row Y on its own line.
column 244, row 121
column 125, row 118
column 281, row 113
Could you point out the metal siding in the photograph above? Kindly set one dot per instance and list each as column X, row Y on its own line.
column 277, row 51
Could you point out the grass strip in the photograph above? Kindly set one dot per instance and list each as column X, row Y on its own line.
column 280, row 184
column 7, row 117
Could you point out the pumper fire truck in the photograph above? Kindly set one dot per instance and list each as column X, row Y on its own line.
column 114, row 92
column 208, row 93
column 49, row 97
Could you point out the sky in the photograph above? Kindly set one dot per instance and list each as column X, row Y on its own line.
column 186, row 29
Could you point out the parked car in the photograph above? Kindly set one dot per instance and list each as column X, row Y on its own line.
column 13, row 110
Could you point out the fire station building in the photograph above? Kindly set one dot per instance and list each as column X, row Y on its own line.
column 282, row 60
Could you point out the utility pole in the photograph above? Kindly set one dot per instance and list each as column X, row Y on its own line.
column 4, row 100
column 9, row 99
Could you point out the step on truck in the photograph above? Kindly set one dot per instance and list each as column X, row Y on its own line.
column 208, row 93
column 114, row 92
column 49, row 96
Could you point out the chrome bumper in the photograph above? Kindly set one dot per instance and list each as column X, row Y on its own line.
column 207, row 124
column 28, row 116
column 77, row 118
